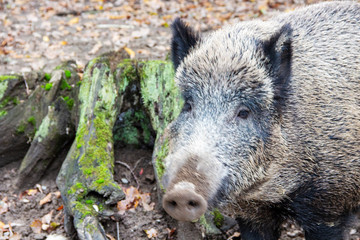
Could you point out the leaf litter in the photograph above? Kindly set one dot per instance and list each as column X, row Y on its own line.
column 39, row 34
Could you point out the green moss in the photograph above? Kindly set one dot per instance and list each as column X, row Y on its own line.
column 89, row 201
column 2, row 113
column 6, row 77
column 78, row 146
column 125, row 74
column 127, row 132
column 67, row 74
column 15, row 100
column 69, row 102
column 5, row 102
column 65, row 85
column 218, row 218
column 47, row 76
column 160, row 156
column 21, row 128
column 48, row 86
column 97, row 162
column 100, row 181
column 46, row 125
column 158, row 85
column 84, row 210
column 209, row 226
column 3, row 87
column 32, row 120
column 76, row 187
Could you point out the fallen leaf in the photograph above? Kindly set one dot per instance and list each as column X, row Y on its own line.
column 46, row 38
column 46, row 219
column 15, row 236
column 73, row 21
column 45, row 227
column 60, row 208
column 29, row 192
column 96, row 48
column 36, row 226
column 57, row 194
column 133, row 199
column 114, row 17
column 4, row 207
column 110, row 237
column 236, row 234
column 171, row 232
column 151, row 233
column 53, row 226
column 130, row 52
column 46, row 199
column 2, row 226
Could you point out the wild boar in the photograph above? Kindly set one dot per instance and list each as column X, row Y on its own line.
column 270, row 128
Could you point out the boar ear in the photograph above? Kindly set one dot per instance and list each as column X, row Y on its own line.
column 278, row 53
column 184, row 38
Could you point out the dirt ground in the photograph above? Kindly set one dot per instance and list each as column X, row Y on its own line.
column 38, row 35
column 24, row 212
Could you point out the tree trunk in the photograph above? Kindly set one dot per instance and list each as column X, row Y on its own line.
column 126, row 100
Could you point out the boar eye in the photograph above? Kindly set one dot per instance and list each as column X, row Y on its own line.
column 243, row 113
column 187, row 107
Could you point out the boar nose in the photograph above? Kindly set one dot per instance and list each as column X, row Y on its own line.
column 184, row 204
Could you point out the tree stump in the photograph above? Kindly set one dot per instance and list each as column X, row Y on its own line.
column 127, row 100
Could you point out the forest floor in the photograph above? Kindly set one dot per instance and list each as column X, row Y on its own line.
column 39, row 35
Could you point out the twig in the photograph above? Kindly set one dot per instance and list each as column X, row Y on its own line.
column 132, row 172
column 137, row 162
column 117, row 231
column 27, row 87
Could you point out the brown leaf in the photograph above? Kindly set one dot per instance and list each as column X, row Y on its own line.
column 36, row 226
column 133, row 199
column 2, row 226
column 4, row 207
column 46, row 219
column 130, row 52
column 96, row 48
column 236, row 234
column 15, row 236
column 73, row 21
column 46, row 39
column 171, row 232
column 151, row 233
column 110, row 237
column 46, row 199
column 57, row 194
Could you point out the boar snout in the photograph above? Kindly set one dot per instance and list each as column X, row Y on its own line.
column 184, row 204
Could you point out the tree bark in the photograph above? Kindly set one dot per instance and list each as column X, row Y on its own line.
column 126, row 100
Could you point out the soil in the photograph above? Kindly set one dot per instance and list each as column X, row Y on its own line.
column 24, row 209
column 38, row 35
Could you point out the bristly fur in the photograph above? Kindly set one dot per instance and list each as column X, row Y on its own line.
column 296, row 152
column 184, row 38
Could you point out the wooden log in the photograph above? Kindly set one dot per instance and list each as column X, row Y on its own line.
column 131, row 101
column 24, row 102
column 86, row 178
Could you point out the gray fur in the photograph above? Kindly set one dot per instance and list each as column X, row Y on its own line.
column 303, row 152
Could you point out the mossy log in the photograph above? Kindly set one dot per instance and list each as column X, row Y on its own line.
column 127, row 101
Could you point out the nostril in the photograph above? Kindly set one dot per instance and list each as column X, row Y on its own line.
column 193, row 204
column 172, row 203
